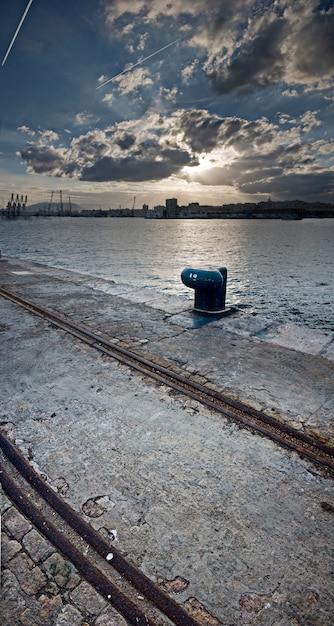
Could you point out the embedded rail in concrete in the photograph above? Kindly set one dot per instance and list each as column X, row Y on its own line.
column 248, row 417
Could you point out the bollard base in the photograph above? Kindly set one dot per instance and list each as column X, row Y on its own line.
column 196, row 319
column 217, row 314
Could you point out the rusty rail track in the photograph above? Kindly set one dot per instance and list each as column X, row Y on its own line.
column 257, row 421
column 157, row 598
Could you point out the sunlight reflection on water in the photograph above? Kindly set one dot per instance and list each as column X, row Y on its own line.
column 279, row 268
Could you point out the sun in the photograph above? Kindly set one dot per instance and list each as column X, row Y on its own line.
column 210, row 167
column 197, row 173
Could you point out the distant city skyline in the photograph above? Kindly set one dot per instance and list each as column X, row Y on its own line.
column 207, row 101
column 17, row 207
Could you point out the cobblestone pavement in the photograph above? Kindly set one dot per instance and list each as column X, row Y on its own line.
column 38, row 586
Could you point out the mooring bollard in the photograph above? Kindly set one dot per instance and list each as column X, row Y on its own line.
column 210, row 289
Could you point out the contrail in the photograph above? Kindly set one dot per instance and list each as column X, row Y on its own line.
column 16, row 32
column 142, row 61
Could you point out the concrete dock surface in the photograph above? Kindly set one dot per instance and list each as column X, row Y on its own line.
column 236, row 528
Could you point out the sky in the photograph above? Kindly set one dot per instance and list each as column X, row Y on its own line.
column 126, row 102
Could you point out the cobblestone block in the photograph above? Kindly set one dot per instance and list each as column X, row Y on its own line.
column 20, row 566
column 110, row 617
column 85, row 597
column 34, row 581
column 15, row 523
column 61, row 572
column 9, row 547
column 69, row 616
column 28, row 618
column 31, row 578
column 50, row 608
column 36, row 546
column 5, row 503
column 15, row 602
column 18, row 609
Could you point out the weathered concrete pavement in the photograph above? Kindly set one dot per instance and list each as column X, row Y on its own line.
column 245, row 523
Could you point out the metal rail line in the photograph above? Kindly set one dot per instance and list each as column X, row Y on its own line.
column 101, row 546
column 84, row 566
column 240, row 413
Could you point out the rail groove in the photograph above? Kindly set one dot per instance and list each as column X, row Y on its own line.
column 282, row 433
column 154, row 594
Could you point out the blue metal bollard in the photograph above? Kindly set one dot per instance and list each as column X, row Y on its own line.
column 210, row 289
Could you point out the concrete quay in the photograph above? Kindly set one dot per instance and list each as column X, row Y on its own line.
column 243, row 527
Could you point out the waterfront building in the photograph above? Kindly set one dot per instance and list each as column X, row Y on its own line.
column 171, row 207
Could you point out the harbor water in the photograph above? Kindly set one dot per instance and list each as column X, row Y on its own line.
column 282, row 269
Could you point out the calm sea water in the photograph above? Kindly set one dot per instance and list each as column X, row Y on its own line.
column 283, row 269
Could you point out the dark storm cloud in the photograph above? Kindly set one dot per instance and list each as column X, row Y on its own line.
column 256, row 168
column 114, row 154
column 293, row 44
column 316, row 51
column 200, row 129
column 271, row 63
column 138, row 167
column 244, row 135
column 312, row 184
column 250, row 156
column 257, row 64
column 93, row 145
column 125, row 141
column 43, row 159
column 155, row 12
column 203, row 131
column 246, row 44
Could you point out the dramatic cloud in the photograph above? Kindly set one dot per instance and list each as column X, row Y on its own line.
column 111, row 156
column 125, row 141
column 142, row 165
column 44, row 160
column 205, row 94
column 245, row 44
column 124, row 11
column 291, row 44
column 305, row 185
column 203, row 132
column 259, row 62
column 194, row 146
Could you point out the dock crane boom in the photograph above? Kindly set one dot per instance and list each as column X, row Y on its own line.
column 50, row 203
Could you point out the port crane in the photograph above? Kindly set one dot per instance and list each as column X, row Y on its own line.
column 61, row 203
column 133, row 206
column 50, row 203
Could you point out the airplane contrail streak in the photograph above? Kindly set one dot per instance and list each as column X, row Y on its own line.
column 16, row 32
column 140, row 62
